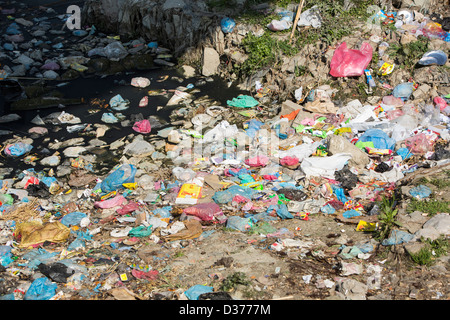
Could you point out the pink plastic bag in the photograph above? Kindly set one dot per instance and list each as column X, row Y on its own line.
column 111, row 203
column 289, row 161
column 204, row 211
column 258, row 161
column 128, row 208
column 419, row 144
column 350, row 62
column 440, row 102
column 142, row 126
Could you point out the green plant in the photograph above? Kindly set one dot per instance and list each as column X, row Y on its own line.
column 423, row 257
column 387, row 218
column 237, row 278
column 431, row 251
column 408, row 54
column 431, row 206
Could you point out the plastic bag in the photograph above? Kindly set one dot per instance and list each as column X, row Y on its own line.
column 111, row 203
column 227, row 25
column 324, row 166
column 311, row 17
column 17, row 149
column 227, row 195
column 41, row 289
column 205, row 211
column 140, row 231
column 379, row 138
column 258, row 161
column 350, row 62
column 115, row 51
column 243, row 101
column 32, row 233
column 419, row 144
column 114, row 181
column 73, row 218
column 279, row 25
column 140, row 82
column 420, row 192
column 142, row 126
column 195, row 291
column 108, row 117
column 183, row 174
column 118, row 103
column 57, row 271
column 403, row 90
column 238, row 223
column 289, row 161
column 440, row 103
column 433, row 57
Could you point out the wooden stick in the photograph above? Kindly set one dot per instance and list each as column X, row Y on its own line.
column 297, row 16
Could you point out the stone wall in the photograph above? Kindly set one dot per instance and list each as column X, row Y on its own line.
column 175, row 24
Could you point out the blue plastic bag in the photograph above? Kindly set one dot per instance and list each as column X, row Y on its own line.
column 379, row 138
column 195, row 291
column 41, row 289
column 281, row 211
column 18, row 149
column 403, row 90
column 420, row 192
column 227, row 25
column 5, row 256
column 397, row 237
column 404, row 153
column 73, row 218
column 350, row 214
column 227, row 195
column 114, row 181
column 238, row 223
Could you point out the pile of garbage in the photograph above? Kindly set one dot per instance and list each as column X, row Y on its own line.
column 71, row 230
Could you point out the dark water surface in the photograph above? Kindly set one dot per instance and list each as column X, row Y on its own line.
column 99, row 87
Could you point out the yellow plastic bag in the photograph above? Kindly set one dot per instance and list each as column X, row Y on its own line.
column 33, row 233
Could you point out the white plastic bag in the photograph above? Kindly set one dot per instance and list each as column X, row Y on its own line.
column 324, row 166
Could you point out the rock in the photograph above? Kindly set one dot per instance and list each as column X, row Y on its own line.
column 50, row 161
column 50, row 74
column 73, row 152
column 174, row 137
column 211, row 62
column 351, row 289
column 407, row 38
column 338, row 144
column 422, row 92
column 188, row 71
column 435, row 227
column 139, row 147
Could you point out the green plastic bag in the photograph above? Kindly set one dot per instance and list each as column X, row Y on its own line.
column 243, row 101
column 140, row 232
